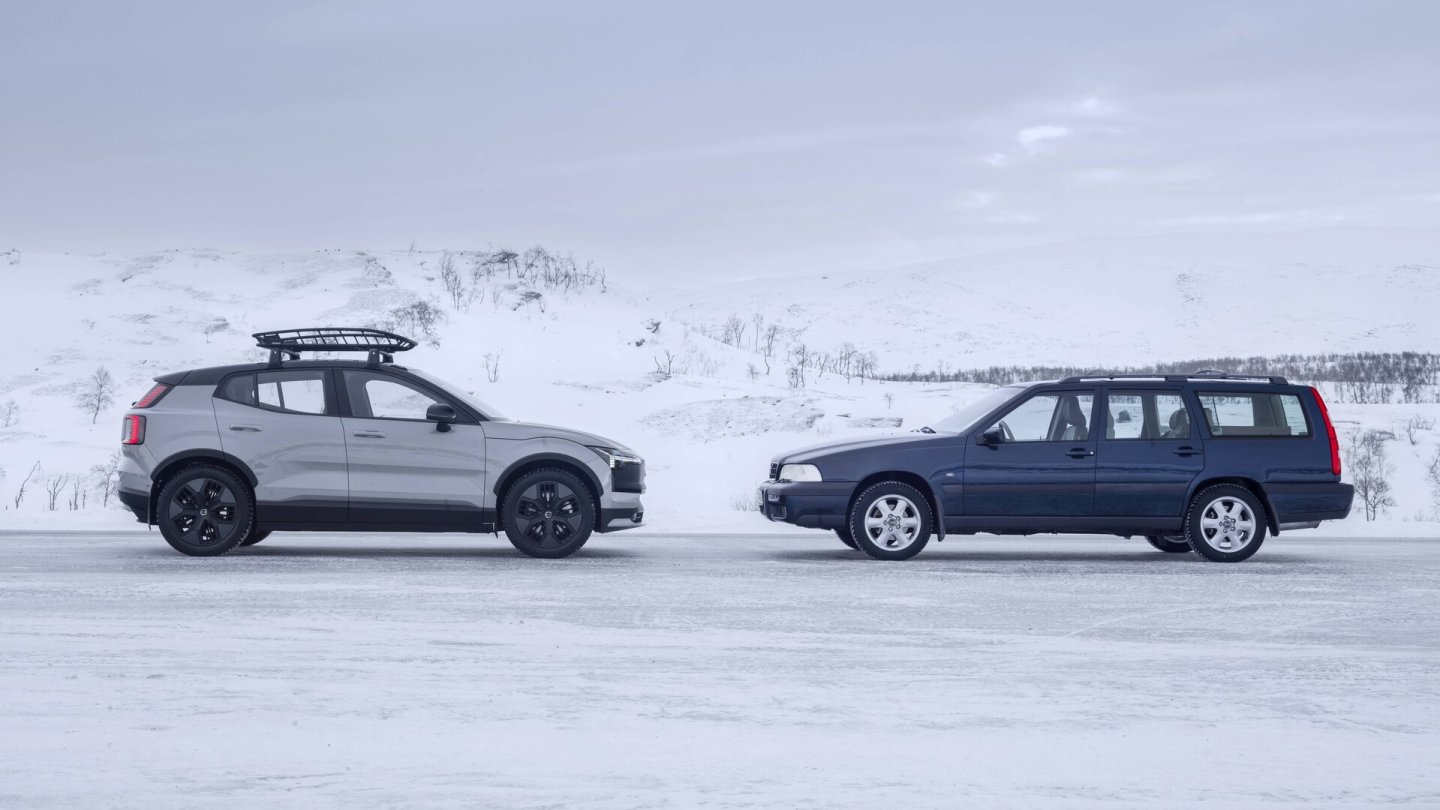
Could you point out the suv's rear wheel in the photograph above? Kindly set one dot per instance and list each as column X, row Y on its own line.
column 844, row 534
column 205, row 511
column 254, row 538
column 890, row 521
column 548, row 513
column 1170, row 543
column 1225, row 523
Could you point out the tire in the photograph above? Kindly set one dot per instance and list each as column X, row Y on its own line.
column 205, row 511
column 554, row 532
column 254, row 538
column 1215, row 539
column 890, row 521
column 1169, row 543
column 844, row 534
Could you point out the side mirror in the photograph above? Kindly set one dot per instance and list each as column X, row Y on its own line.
column 442, row 415
column 992, row 437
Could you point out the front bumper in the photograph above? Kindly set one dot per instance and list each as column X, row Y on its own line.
column 811, row 504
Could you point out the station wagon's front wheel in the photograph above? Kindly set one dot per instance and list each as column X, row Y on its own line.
column 548, row 513
column 1225, row 523
column 890, row 521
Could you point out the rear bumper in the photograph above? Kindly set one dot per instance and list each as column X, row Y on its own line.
column 813, row 505
column 137, row 502
column 1310, row 503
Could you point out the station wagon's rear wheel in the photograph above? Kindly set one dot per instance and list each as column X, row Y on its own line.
column 890, row 521
column 548, row 513
column 204, row 511
column 1225, row 523
column 844, row 534
column 1169, row 543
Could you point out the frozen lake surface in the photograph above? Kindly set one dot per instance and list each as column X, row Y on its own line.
column 360, row 671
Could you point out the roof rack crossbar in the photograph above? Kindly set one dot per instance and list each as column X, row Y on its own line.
column 1206, row 374
column 379, row 345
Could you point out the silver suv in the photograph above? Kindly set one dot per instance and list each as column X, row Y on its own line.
column 221, row 457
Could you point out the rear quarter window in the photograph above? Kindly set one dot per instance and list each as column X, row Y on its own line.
column 1254, row 414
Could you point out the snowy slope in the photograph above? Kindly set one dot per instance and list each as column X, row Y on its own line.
column 588, row 357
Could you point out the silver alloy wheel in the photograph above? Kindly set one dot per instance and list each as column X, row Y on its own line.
column 1227, row 524
column 892, row 522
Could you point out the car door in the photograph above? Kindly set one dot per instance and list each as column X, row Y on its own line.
column 284, row 424
column 1148, row 454
column 1045, row 464
column 405, row 472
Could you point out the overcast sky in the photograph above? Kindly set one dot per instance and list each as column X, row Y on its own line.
column 690, row 138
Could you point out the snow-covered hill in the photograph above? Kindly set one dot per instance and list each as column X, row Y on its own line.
column 650, row 367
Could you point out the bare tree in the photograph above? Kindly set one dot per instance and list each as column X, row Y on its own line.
column 79, row 494
column 53, row 488
column 20, row 493
column 768, row 345
column 889, row 401
column 1414, row 427
column 666, row 368
column 106, row 479
column 96, row 393
column 9, row 413
column 454, row 284
column 1370, row 472
column 732, row 331
column 1432, row 474
column 492, row 366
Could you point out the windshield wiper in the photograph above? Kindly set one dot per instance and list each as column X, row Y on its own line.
column 924, row 429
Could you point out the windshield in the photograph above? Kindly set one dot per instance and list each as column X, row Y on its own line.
column 488, row 411
column 965, row 418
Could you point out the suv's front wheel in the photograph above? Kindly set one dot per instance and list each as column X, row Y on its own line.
column 204, row 511
column 1225, row 523
column 890, row 521
column 548, row 513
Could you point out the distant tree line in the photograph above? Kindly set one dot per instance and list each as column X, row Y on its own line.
column 1362, row 377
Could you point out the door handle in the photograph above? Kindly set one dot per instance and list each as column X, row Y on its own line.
column 1186, row 451
column 246, row 428
column 1079, row 452
column 368, row 434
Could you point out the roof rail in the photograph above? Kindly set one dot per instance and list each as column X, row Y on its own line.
column 1204, row 374
column 288, row 343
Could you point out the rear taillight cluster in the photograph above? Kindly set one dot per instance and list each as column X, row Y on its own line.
column 1330, row 430
column 132, row 429
column 152, row 396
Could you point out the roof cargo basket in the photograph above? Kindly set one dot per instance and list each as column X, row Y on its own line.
column 289, row 343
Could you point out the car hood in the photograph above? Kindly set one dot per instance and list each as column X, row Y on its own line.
column 815, row 452
column 520, row 431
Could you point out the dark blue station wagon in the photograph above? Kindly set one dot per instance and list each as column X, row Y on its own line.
column 1207, row 463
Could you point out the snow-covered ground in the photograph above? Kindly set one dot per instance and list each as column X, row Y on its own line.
column 588, row 356
column 721, row 671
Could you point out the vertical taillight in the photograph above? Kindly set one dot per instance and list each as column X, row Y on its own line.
column 1330, row 430
column 132, row 429
column 152, row 396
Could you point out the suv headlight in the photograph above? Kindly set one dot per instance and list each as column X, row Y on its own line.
column 615, row 458
column 800, row 472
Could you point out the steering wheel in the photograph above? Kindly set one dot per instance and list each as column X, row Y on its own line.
column 1005, row 429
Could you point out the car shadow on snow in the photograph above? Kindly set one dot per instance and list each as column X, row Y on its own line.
column 941, row 555
column 331, row 551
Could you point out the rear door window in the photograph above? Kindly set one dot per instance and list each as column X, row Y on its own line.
column 1146, row 415
column 299, row 391
column 1248, row 414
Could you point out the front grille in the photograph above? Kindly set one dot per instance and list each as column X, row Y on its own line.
column 774, row 471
